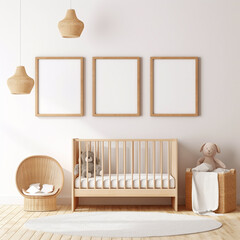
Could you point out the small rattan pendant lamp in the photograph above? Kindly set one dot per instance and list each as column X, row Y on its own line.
column 20, row 82
column 70, row 26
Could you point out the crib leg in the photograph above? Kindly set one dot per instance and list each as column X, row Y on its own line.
column 74, row 203
column 174, row 203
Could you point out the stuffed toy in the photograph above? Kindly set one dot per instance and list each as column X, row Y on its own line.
column 90, row 159
column 208, row 162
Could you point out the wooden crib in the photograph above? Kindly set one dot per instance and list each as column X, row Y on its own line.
column 130, row 168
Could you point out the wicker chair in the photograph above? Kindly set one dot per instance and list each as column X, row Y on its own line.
column 43, row 170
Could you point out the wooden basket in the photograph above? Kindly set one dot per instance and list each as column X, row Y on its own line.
column 227, row 191
column 43, row 170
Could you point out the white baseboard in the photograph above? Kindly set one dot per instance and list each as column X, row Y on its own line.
column 11, row 200
column 66, row 200
column 121, row 201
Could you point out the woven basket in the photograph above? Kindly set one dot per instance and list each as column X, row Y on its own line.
column 43, row 170
column 227, row 191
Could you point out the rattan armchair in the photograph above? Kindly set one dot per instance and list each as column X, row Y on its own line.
column 43, row 170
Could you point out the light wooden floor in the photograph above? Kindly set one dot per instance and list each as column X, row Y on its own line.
column 12, row 218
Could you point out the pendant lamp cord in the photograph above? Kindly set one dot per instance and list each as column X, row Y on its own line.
column 20, row 33
column 70, row 4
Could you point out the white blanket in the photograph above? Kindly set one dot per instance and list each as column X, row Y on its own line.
column 205, row 193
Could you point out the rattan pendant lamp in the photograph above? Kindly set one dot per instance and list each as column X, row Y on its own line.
column 70, row 26
column 20, row 82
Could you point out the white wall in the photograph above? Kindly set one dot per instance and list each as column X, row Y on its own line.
column 207, row 28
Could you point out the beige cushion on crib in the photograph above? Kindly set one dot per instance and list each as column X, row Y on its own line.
column 128, row 181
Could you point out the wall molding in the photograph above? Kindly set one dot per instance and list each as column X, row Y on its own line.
column 66, row 200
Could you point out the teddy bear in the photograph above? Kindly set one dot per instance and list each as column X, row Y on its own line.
column 209, row 163
column 90, row 159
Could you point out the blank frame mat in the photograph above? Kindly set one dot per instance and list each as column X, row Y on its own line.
column 116, row 86
column 175, row 86
column 60, row 86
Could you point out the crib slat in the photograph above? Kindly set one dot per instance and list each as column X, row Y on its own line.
column 98, row 150
column 154, row 184
column 80, row 164
column 117, row 162
column 132, row 167
column 102, row 162
column 146, row 162
column 87, row 162
column 124, row 162
column 139, row 164
column 109, row 163
column 161, row 162
column 168, row 162
column 94, row 162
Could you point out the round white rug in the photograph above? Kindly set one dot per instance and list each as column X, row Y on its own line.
column 123, row 224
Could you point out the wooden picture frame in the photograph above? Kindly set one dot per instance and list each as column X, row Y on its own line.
column 118, row 95
column 59, row 86
column 178, row 95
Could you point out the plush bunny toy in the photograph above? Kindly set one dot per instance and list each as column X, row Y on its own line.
column 209, row 163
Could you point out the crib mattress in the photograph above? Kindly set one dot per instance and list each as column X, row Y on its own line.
column 106, row 182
